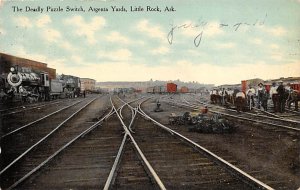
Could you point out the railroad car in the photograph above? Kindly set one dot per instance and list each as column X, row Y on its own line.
column 159, row 89
column 150, row 89
column 184, row 89
column 296, row 86
column 156, row 89
column 171, row 87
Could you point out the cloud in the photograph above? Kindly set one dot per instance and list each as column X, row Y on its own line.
column 277, row 56
column 2, row 31
column 256, row 41
column 151, row 30
column 210, row 29
column 86, row 29
column 226, row 45
column 76, row 58
column 43, row 21
column 275, row 31
column 118, row 55
column 20, row 51
column 274, row 46
column 161, row 50
column 51, row 35
column 213, row 29
column 66, row 45
column 186, row 71
column 117, row 37
column 23, row 21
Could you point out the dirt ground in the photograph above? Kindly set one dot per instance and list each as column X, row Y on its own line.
column 272, row 156
column 255, row 147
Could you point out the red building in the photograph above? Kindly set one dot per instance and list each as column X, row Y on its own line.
column 8, row 60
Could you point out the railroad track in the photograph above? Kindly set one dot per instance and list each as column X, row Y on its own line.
column 278, row 123
column 182, row 164
column 110, row 156
column 88, row 153
column 16, row 122
column 19, row 109
column 290, row 113
column 19, row 147
column 256, row 147
column 131, row 168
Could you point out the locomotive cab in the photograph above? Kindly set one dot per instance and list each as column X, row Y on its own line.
column 45, row 79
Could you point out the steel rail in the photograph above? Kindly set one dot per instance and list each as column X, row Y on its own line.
column 293, row 111
column 40, row 119
column 45, row 137
column 133, row 112
column 17, row 107
column 266, row 112
column 82, row 134
column 26, row 109
column 242, row 118
column 275, row 117
column 117, row 161
column 248, row 179
column 264, row 116
column 125, row 103
column 255, row 115
column 148, row 165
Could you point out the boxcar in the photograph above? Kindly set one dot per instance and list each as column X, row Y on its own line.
column 184, row 89
column 171, row 87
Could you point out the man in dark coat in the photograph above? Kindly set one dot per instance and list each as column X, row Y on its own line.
column 281, row 94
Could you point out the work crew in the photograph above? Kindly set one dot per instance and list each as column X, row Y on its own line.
column 240, row 101
column 250, row 96
column 262, row 96
column 281, row 96
column 274, row 96
column 292, row 96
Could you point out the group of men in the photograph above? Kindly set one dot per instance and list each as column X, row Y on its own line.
column 281, row 96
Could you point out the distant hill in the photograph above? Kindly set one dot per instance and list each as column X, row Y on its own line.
column 150, row 83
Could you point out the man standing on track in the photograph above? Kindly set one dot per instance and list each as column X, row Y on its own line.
column 260, row 93
column 250, row 96
column 274, row 96
column 281, row 96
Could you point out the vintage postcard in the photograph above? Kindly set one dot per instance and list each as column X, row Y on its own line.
column 149, row 94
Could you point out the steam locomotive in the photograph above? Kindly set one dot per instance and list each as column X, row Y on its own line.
column 28, row 85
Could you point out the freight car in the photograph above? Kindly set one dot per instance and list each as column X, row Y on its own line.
column 168, row 88
column 184, row 89
column 159, row 89
column 150, row 90
column 171, row 87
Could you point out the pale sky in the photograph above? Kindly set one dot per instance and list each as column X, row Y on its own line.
column 219, row 42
